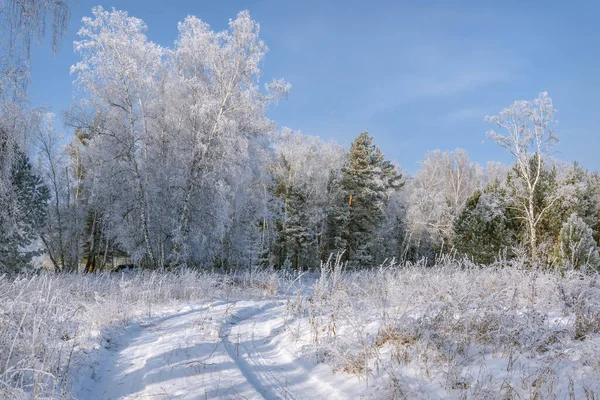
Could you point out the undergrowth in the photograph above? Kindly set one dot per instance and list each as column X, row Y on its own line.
column 455, row 330
column 458, row 329
column 47, row 320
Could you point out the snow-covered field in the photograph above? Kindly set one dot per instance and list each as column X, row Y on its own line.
column 451, row 331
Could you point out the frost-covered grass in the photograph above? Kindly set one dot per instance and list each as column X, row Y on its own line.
column 456, row 330
column 48, row 321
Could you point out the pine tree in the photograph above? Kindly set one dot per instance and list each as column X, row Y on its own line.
column 584, row 202
column 337, row 218
column 577, row 245
column 295, row 235
column 24, row 217
column 487, row 227
column 367, row 179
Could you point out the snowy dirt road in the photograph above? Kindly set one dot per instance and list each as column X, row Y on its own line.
column 218, row 350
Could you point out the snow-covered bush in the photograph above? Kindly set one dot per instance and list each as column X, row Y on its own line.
column 578, row 249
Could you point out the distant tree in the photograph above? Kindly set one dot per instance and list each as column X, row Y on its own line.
column 337, row 217
column 296, row 238
column 435, row 196
column 583, row 201
column 392, row 231
column 51, row 163
column 302, row 175
column 251, row 234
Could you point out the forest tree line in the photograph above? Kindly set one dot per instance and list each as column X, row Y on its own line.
column 174, row 163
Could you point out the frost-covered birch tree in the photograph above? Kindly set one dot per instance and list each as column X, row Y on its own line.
column 527, row 133
column 117, row 76
column 436, row 196
column 223, row 112
column 177, row 136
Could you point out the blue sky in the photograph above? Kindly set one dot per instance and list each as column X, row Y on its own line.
column 418, row 75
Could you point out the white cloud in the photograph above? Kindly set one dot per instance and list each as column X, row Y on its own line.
column 469, row 114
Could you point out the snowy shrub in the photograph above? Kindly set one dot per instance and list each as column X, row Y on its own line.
column 458, row 330
column 578, row 249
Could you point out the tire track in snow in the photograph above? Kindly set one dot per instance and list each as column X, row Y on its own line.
column 256, row 370
column 261, row 353
column 218, row 350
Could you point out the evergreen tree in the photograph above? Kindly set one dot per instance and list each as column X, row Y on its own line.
column 299, row 234
column 487, row 226
column 577, row 245
column 337, row 217
column 584, row 201
column 23, row 217
column 295, row 235
column 367, row 180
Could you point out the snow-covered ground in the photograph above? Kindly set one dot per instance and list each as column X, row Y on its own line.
column 216, row 350
column 452, row 331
